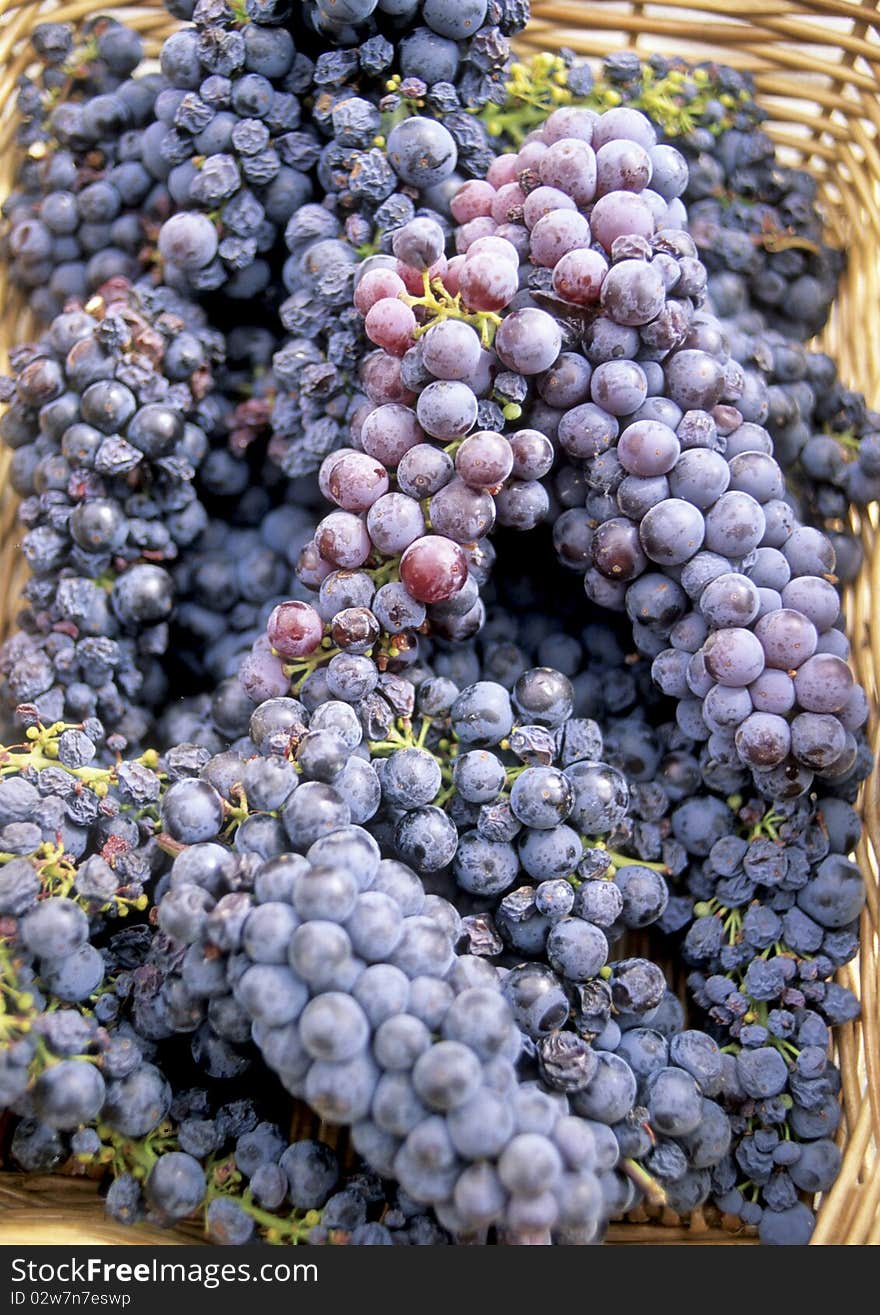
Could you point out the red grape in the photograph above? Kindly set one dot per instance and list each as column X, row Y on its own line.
column 433, row 569
column 294, row 629
column 389, row 323
column 376, row 284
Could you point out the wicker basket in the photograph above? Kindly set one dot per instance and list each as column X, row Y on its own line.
column 817, row 69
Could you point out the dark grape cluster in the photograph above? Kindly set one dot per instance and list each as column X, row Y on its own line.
column 108, row 423
column 86, row 206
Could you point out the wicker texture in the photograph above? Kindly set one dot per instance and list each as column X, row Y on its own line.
column 817, row 70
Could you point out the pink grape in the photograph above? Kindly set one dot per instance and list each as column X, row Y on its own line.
column 487, row 283
column 557, row 233
column 327, row 465
column 507, row 207
column 451, row 350
column 294, row 629
column 542, row 201
column 570, row 165
column 496, row 246
column 622, row 166
column 342, row 539
column 390, row 323
column 473, row 231
column 484, row 460
column 472, row 200
column 356, row 481
column 529, row 156
column 414, row 279
column 624, row 122
column 433, row 569
column 380, row 377
column 619, row 213
column 528, row 341
column 375, row 285
column 389, row 431
column 579, row 275
column 394, row 522
column 569, row 121
column 453, row 274
column 502, row 170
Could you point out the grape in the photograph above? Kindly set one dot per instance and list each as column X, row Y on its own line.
column 389, row 431
column 620, row 214
column 451, row 350
column 823, row 683
column 446, row 409
column 374, row 285
column 424, row 470
column 528, row 341
column 699, row 476
column 787, row 637
column 578, row 276
column 648, row 448
column 619, row 387
column 532, row 454
column 422, row 151
column 617, row 551
column 569, row 164
column 734, row 525
column 485, row 459
column 356, row 480
column 734, row 656
column 473, row 199
column 587, row 430
column 773, row 691
column 394, row 522
column 419, row 243
column 433, row 569
column 557, row 233
column 731, row 600
column 389, row 323
column 817, row 739
column 695, row 380
column 815, row 598
column 763, row 739
column 633, row 292
column 461, row 513
column 725, row 707
column 522, row 504
column 672, row 531
column 342, row 539
column 487, row 283
column 188, row 240
column 622, row 165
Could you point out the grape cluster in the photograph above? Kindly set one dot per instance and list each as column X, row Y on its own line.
column 107, row 425
column 754, row 219
column 86, row 205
